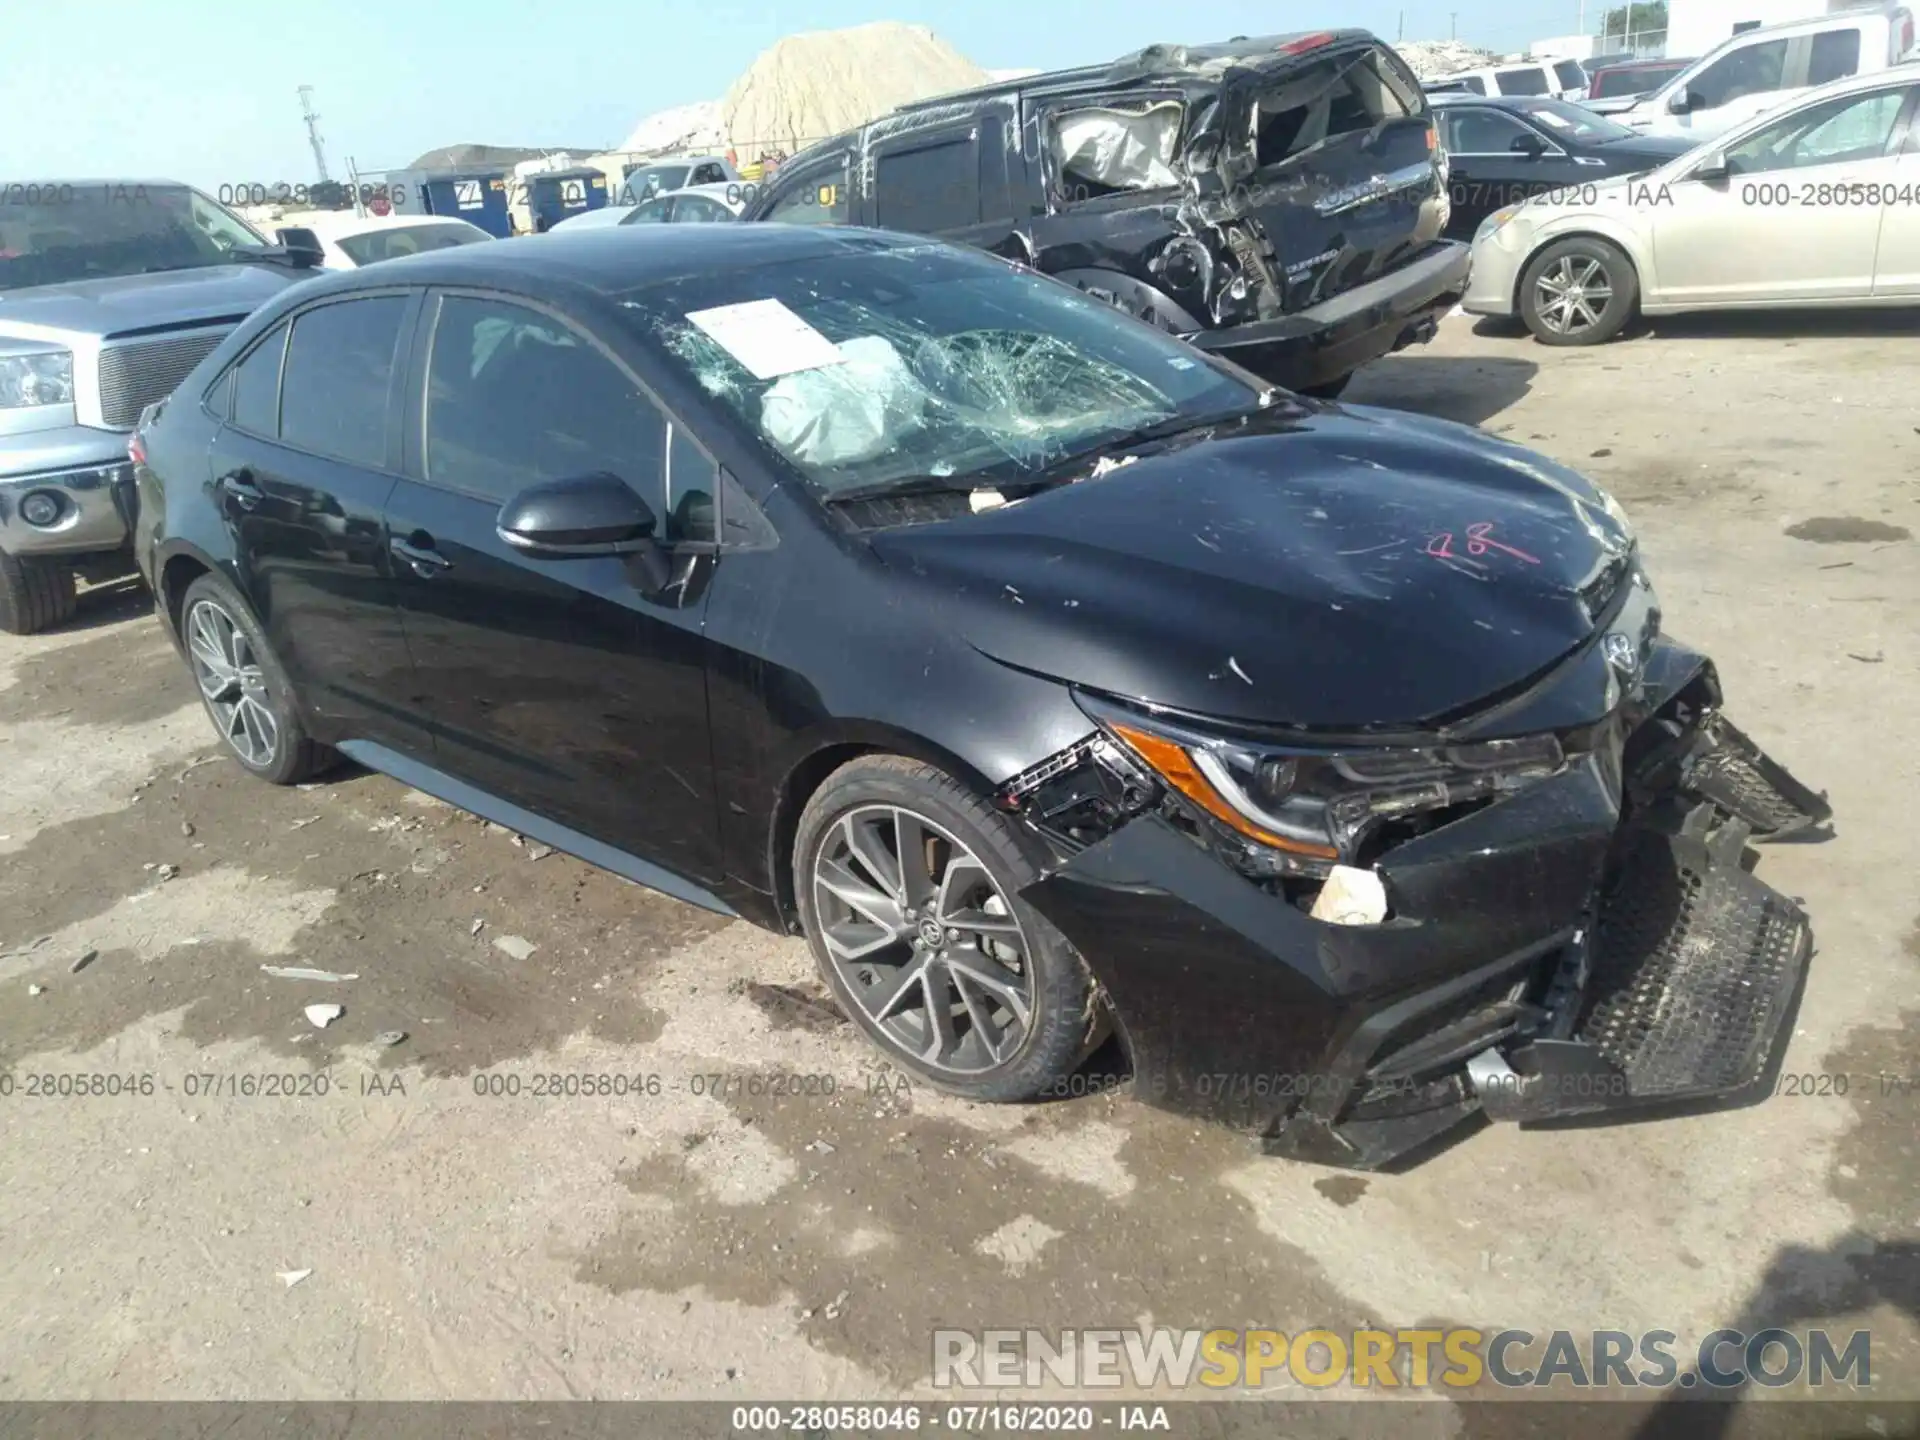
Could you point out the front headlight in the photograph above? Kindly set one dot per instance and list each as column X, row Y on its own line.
column 35, row 375
column 1494, row 221
column 1304, row 809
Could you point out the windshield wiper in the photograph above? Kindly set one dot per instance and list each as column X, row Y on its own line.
column 908, row 485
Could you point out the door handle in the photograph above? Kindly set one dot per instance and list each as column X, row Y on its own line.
column 417, row 550
column 238, row 486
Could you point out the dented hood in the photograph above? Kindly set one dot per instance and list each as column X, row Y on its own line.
column 1332, row 568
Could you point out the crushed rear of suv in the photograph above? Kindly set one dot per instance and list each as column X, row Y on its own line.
column 1281, row 200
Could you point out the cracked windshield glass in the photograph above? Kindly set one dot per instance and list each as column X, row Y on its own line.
column 864, row 371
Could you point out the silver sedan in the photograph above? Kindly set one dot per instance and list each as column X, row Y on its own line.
column 1813, row 205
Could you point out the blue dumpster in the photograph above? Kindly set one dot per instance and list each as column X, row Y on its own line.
column 556, row 195
column 476, row 195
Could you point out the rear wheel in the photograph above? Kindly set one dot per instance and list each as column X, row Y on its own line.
column 1578, row 292
column 244, row 688
column 908, row 887
column 35, row 593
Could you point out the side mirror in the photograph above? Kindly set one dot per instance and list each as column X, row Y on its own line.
column 1681, row 102
column 1712, row 169
column 595, row 514
column 1532, row 147
column 302, row 246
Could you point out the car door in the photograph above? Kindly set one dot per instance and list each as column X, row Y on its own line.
column 1787, row 223
column 953, row 181
column 1485, row 171
column 302, row 469
column 571, row 687
column 1896, row 265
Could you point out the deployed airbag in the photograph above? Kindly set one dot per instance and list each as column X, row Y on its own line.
column 1120, row 149
column 844, row 414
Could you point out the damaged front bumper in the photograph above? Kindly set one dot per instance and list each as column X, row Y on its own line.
column 1589, row 944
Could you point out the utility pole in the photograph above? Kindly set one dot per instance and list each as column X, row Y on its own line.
column 1400, row 31
column 1453, row 25
column 313, row 131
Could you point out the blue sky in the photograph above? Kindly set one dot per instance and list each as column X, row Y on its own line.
column 205, row 91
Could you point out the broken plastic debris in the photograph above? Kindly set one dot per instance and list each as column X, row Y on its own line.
column 291, row 1278
column 1107, row 465
column 304, row 972
column 767, row 338
column 986, row 500
column 85, row 960
column 539, row 852
column 1351, row 897
column 321, row 1016
column 36, row 989
column 514, row 945
column 390, row 1038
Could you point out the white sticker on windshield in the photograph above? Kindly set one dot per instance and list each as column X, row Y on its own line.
column 767, row 338
column 1559, row 122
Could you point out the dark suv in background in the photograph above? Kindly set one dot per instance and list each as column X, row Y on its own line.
column 1279, row 200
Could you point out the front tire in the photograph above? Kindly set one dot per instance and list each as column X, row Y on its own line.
column 35, row 594
column 244, row 687
column 908, row 888
column 1579, row 292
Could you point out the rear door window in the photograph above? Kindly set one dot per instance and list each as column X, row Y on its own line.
column 928, row 184
column 1110, row 149
column 339, row 373
column 1836, row 55
column 1751, row 70
column 1569, row 74
column 1531, row 80
column 256, row 386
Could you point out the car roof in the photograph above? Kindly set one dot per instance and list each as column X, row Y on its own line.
column 332, row 224
column 1646, row 64
column 1853, row 14
column 1155, row 61
column 615, row 258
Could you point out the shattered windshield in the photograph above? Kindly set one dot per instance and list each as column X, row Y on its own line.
column 899, row 365
column 57, row 234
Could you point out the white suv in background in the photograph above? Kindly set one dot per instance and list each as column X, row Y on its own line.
column 1759, row 69
column 1557, row 79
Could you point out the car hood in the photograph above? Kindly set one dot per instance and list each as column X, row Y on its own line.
column 1647, row 150
column 103, row 308
column 1337, row 568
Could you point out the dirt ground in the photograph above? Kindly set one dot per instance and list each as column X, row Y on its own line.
column 698, row 1236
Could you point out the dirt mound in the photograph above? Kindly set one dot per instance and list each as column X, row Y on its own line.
column 808, row 87
column 1434, row 59
column 684, row 130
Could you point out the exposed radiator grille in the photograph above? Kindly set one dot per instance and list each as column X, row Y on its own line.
column 135, row 374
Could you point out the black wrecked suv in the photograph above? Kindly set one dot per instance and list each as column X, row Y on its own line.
column 1280, row 200
column 1047, row 675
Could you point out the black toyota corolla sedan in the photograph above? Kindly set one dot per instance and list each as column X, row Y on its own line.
column 1505, row 149
column 1053, row 678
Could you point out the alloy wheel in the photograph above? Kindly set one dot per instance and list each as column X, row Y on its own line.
column 1572, row 294
column 232, row 682
column 923, row 939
